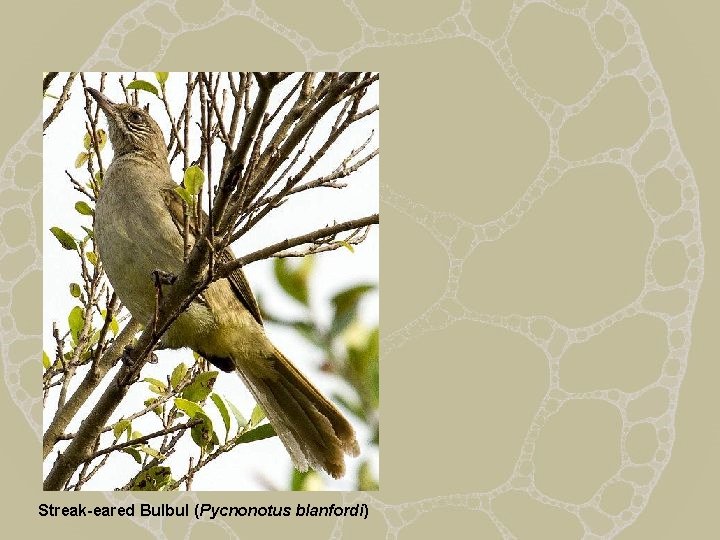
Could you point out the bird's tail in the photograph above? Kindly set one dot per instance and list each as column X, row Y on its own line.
column 313, row 430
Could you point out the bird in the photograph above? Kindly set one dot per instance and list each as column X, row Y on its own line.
column 139, row 231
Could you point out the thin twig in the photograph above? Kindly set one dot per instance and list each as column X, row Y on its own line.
column 64, row 96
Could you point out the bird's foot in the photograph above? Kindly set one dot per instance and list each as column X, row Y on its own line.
column 131, row 376
column 161, row 278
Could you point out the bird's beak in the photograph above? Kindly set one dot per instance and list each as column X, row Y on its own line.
column 105, row 104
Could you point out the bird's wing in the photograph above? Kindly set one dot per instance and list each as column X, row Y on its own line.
column 240, row 285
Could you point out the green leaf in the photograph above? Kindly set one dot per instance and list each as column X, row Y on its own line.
column 257, row 415
column 217, row 400
column 156, row 478
column 157, row 383
column 185, row 194
column 76, row 320
column 101, row 136
column 239, row 418
column 261, row 432
column 203, row 433
column 134, row 453
column 90, row 233
column 200, row 388
column 294, row 281
column 81, row 159
column 365, row 479
column 297, row 480
column 65, row 239
column 346, row 304
column 92, row 257
column 347, row 245
column 352, row 406
column 162, row 77
column 46, row 360
column 114, row 326
column 193, row 179
column 75, row 290
column 150, row 451
column 122, row 425
column 143, row 85
column 188, row 407
column 309, row 331
column 83, row 208
column 178, row 374
column 157, row 410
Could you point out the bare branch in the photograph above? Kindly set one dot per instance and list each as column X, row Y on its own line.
column 64, row 96
column 144, row 438
column 311, row 237
column 48, row 79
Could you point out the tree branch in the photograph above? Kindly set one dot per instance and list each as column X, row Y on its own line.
column 144, row 438
column 311, row 237
column 64, row 96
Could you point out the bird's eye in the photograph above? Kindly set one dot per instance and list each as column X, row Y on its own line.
column 135, row 117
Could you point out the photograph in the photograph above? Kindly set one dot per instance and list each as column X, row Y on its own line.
column 210, row 281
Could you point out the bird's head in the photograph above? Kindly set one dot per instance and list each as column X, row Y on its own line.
column 131, row 128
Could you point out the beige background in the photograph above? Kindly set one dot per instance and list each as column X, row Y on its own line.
column 460, row 146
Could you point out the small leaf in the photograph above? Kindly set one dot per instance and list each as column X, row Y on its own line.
column 134, row 453
column 157, row 410
column 156, row 389
column 200, row 388
column 90, row 233
column 155, row 382
column 65, row 239
column 239, row 418
column 75, row 290
column 143, row 85
column 76, row 320
column 346, row 303
column 188, row 407
column 297, row 481
column 178, row 374
column 261, row 432
column 101, row 136
column 217, row 400
column 99, row 179
column 185, row 194
column 193, row 179
column 347, row 245
column 365, row 479
column 294, row 281
column 257, row 415
column 150, row 451
column 46, row 360
column 114, row 326
column 81, row 159
column 92, row 257
column 162, row 77
column 83, row 208
column 203, row 433
column 122, row 425
column 310, row 332
column 156, row 478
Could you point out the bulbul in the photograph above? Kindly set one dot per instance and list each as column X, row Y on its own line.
column 139, row 229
